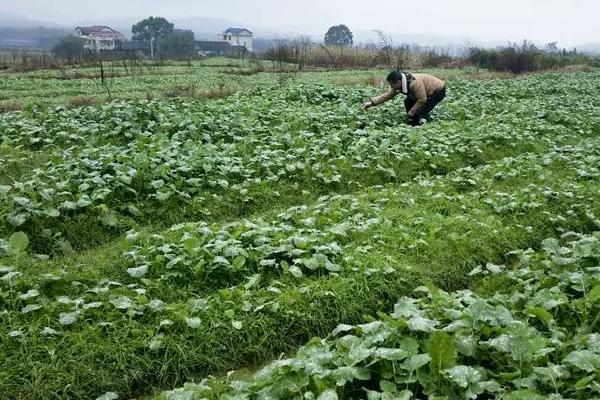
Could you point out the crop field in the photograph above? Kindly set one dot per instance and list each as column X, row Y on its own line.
column 282, row 243
column 210, row 78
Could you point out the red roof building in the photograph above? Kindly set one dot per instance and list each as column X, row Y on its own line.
column 99, row 37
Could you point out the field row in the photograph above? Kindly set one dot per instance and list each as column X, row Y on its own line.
column 535, row 338
column 200, row 298
column 75, row 179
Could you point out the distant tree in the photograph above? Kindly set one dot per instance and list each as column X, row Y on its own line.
column 179, row 44
column 152, row 30
column 70, row 48
column 552, row 47
column 339, row 35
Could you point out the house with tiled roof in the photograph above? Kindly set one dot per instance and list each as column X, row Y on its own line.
column 241, row 37
column 232, row 41
column 99, row 37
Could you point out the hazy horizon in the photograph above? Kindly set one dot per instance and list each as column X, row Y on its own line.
column 494, row 20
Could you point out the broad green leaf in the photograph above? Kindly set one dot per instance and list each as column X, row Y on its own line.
column 463, row 375
column 343, row 375
column 122, row 303
column 109, row 219
column 17, row 219
column 296, row 271
column 584, row 360
column 47, row 331
column 523, row 395
column 52, row 212
column 390, row 354
column 239, row 261
column 193, row 322
column 33, row 293
column 329, row 394
column 406, row 308
column 415, row 362
column 421, row 324
column 583, row 383
column 18, row 241
column 68, row 318
column 138, row 272
column 593, row 295
column 237, row 325
column 342, row 328
column 30, row 307
column 108, row 396
column 156, row 342
column 593, row 342
column 195, row 305
column 541, row 314
column 388, row 387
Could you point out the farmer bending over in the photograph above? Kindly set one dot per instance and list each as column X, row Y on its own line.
column 423, row 92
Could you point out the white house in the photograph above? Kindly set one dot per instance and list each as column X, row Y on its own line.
column 99, row 38
column 238, row 37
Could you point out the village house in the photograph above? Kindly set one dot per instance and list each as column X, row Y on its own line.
column 238, row 37
column 232, row 41
column 99, row 38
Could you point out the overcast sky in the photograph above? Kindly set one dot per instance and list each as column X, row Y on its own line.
column 569, row 22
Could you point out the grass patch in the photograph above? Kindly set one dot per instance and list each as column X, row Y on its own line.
column 10, row 106
column 84, row 101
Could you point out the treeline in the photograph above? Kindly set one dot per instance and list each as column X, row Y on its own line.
column 513, row 58
column 338, row 52
column 526, row 57
column 304, row 54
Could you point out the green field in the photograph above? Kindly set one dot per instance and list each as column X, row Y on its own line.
column 196, row 80
column 149, row 243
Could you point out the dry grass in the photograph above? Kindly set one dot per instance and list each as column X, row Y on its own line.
column 260, row 69
column 476, row 75
column 370, row 81
column 10, row 105
column 83, row 101
column 218, row 93
column 244, row 71
column 180, row 91
column 575, row 68
column 191, row 92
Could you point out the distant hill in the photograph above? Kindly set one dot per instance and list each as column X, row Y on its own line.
column 18, row 21
column 17, row 32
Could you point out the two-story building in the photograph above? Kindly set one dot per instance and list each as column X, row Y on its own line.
column 233, row 41
column 99, row 38
column 238, row 37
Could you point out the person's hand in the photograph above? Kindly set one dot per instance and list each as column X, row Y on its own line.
column 366, row 105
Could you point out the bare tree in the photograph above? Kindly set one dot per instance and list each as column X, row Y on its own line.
column 301, row 48
column 394, row 56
